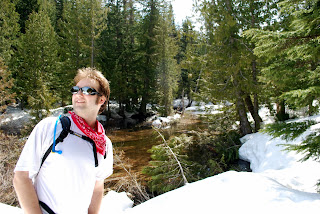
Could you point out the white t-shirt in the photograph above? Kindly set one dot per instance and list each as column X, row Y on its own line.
column 65, row 181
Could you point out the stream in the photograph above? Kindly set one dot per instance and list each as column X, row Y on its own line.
column 136, row 142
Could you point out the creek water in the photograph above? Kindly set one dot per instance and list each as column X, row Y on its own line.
column 136, row 142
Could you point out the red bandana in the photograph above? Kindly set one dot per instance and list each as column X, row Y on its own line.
column 97, row 136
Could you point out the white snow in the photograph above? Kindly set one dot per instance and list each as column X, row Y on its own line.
column 278, row 183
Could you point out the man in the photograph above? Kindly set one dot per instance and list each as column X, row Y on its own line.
column 68, row 182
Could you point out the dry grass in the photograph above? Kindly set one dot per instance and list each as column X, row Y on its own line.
column 10, row 149
column 125, row 180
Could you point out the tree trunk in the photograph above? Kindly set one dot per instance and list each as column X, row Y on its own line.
column 256, row 117
column 182, row 102
column 281, row 111
column 245, row 127
column 254, row 113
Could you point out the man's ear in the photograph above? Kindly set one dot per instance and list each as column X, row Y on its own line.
column 102, row 100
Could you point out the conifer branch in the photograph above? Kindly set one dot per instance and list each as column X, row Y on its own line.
column 175, row 157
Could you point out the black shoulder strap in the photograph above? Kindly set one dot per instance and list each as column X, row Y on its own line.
column 66, row 123
column 46, row 207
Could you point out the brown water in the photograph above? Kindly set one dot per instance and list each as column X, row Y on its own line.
column 136, row 142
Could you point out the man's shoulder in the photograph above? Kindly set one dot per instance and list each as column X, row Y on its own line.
column 48, row 123
column 48, row 120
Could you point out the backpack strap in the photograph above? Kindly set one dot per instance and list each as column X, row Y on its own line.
column 46, row 207
column 66, row 123
column 94, row 148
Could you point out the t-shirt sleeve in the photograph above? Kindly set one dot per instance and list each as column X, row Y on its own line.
column 33, row 151
column 105, row 168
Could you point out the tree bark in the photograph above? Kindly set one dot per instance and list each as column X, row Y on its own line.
column 245, row 127
column 254, row 112
column 281, row 111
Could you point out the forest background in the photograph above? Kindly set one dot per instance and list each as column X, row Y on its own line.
column 247, row 54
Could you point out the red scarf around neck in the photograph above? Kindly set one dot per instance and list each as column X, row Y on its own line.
column 97, row 136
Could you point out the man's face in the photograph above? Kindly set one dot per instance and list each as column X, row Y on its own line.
column 87, row 104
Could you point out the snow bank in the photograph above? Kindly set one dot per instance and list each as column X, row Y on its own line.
column 115, row 202
column 267, row 156
column 231, row 192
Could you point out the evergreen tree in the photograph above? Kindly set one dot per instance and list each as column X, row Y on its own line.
column 6, row 83
column 9, row 29
column 149, row 58
column 118, row 53
column 49, row 7
column 78, row 29
column 35, row 73
column 227, row 59
column 190, row 56
column 167, row 67
column 231, row 72
column 24, row 9
column 292, row 54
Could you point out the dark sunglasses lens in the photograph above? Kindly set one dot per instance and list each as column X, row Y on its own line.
column 74, row 89
column 88, row 91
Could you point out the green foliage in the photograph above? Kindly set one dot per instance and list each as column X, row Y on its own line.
column 201, row 155
column 164, row 170
column 310, row 147
column 288, row 131
column 25, row 8
column 37, row 64
column 119, row 54
column 167, row 69
column 291, row 53
column 231, row 70
column 222, row 121
column 214, row 153
column 40, row 102
column 9, row 29
column 6, row 84
column 300, row 97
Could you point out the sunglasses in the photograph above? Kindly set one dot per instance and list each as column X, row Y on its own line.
column 85, row 90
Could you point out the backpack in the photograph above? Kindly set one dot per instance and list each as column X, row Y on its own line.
column 66, row 123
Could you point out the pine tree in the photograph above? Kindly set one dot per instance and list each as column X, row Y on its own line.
column 79, row 27
column 49, row 7
column 9, row 30
column 6, row 83
column 226, row 72
column 38, row 59
column 24, row 9
column 292, row 54
column 149, row 58
column 167, row 68
column 119, row 52
column 190, row 56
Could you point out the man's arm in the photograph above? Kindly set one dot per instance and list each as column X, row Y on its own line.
column 26, row 193
column 96, row 198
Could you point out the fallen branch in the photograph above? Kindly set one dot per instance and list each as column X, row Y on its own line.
column 174, row 155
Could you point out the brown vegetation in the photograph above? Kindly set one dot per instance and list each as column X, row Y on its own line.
column 10, row 149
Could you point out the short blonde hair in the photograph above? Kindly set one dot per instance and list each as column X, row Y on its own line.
column 92, row 73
